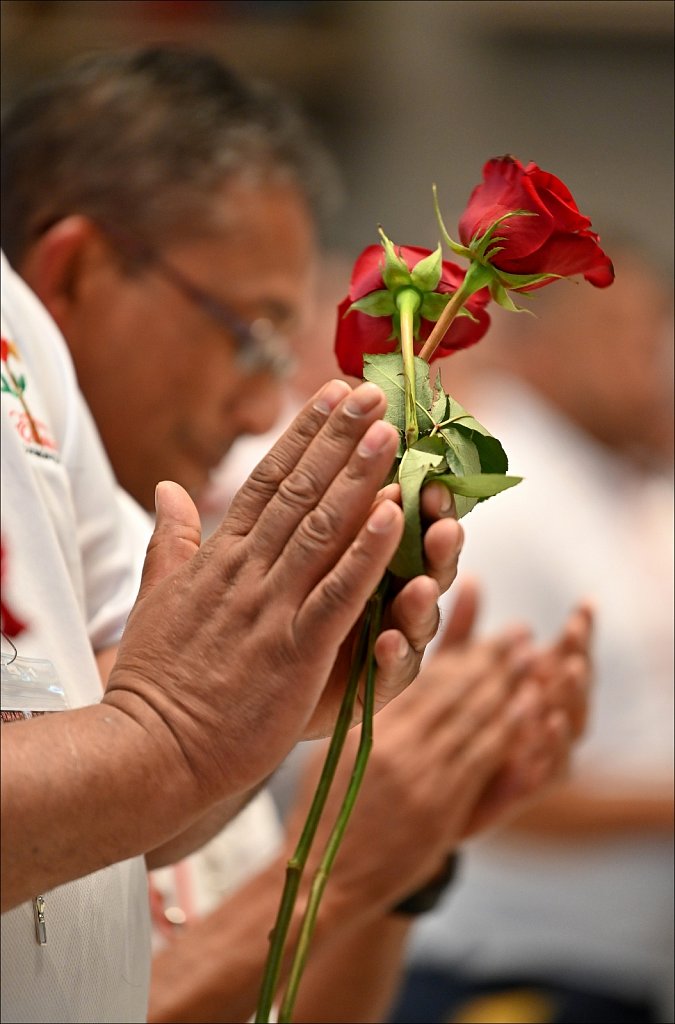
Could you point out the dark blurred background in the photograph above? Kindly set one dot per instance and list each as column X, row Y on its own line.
column 410, row 93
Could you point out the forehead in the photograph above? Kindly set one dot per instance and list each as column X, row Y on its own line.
column 257, row 237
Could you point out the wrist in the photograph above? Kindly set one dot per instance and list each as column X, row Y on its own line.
column 428, row 896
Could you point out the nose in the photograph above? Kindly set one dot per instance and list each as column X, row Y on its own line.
column 259, row 404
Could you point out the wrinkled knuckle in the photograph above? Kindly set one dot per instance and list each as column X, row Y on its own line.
column 318, row 528
column 268, row 474
column 298, row 490
column 335, row 592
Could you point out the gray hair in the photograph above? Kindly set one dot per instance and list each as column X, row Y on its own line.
column 147, row 136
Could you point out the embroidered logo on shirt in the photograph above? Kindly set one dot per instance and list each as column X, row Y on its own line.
column 33, row 432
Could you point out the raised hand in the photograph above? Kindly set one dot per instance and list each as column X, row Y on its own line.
column 436, row 748
column 555, row 699
column 486, row 725
column 231, row 645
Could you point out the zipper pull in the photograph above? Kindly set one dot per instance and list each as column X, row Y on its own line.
column 40, row 926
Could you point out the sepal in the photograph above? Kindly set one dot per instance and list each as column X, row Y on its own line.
column 380, row 303
column 426, row 274
column 395, row 273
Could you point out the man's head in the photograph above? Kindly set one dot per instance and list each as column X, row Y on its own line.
column 165, row 213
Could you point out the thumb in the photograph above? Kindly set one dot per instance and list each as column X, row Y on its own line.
column 460, row 624
column 176, row 537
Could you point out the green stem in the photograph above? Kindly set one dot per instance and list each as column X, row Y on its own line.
column 336, row 836
column 408, row 302
column 296, row 864
column 477, row 276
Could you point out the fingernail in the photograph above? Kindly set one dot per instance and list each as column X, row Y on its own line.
column 383, row 517
column 403, row 648
column 330, row 395
column 444, row 497
column 364, row 398
column 377, row 437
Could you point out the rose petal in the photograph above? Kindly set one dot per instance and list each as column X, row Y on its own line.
column 506, row 188
column 357, row 334
column 558, row 200
column 566, row 255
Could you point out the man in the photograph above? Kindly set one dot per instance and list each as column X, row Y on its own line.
column 173, row 316
column 80, row 787
column 584, row 395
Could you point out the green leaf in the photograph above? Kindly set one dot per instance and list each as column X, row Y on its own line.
column 493, row 458
column 462, row 457
column 424, row 395
column 395, row 273
column 415, row 465
column 481, row 486
column 426, row 274
column 461, row 452
column 380, row 303
column 433, row 304
column 431, row 444
column 439, row 405
column 387, row 372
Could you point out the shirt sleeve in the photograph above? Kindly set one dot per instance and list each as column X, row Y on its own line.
column 103, row 545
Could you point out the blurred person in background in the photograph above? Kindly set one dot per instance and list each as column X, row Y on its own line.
column 567, row 916
column 165, row 214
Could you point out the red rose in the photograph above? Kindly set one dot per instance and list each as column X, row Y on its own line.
column 557, row 241
column 358, row 333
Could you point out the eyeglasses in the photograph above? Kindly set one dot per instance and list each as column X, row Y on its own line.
column 260, row 347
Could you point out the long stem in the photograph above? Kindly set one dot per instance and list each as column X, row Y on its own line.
column 408, row 302
column 296, row 864
column 335, row 839
column 445, row 319
column 477, row 276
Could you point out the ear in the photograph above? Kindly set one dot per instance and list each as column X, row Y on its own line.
column 55, row 265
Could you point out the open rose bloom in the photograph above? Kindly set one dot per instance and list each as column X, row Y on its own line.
column 556, row 240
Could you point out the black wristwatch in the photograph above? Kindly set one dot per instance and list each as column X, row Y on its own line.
column 429, row 896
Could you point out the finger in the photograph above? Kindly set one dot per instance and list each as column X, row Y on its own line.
column 336, row 602
column 463, row 615
column 436, row 502
column 351, row 424
column 442, row 546
column 391, row 491
column 261, row 486
column 414, row 612
column 325, row 531
column 491, row 697
column 569, row 691
column 577, row 632
column 176, row 537
column 551, row 761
